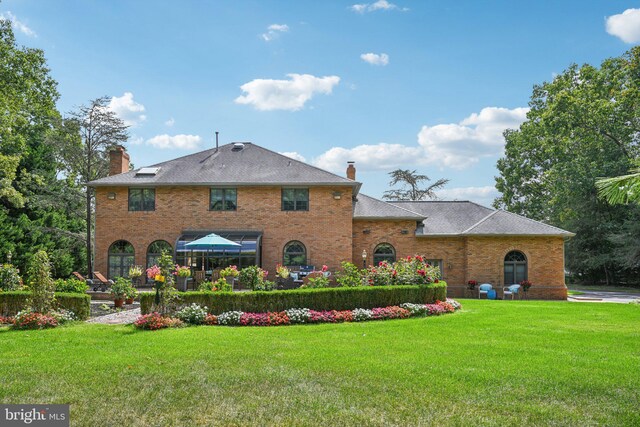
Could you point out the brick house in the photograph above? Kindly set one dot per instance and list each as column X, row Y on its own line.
column 285, row 211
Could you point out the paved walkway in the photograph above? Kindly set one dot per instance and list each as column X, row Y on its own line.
column 604, row 296
column 121, row 318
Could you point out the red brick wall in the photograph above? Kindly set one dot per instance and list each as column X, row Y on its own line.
column 545, row 262
column 472, row 258
column 325, row 229
column 382, row 231
column 328, row 232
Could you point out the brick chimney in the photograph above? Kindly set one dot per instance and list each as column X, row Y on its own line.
column 351, row 171
column 118, row 160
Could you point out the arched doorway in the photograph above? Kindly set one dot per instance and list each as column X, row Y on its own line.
column 121, row 257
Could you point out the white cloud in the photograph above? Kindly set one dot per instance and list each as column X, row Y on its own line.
column 17, row 24
column 185, row 142
column 170, row 122
column 368, row 157
column 136, row 140
column 482, row 195
column 625, row 26
column 378, row 5
column 292, row 94
column 458, row 145
column 294, row 155
column 127, row 109
column 454, row 145
column 375, row 59
column 273, row 31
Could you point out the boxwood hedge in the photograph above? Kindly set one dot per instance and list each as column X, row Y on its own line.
column 14, row 301
column 315, row 299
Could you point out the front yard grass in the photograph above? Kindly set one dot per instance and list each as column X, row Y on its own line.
column 493, row 363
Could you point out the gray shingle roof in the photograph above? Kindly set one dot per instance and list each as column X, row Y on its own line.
column 366, row 207
column 447, row 217
column 465, row 218
column 253, row 165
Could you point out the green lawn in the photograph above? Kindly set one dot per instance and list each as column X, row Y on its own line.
column 493, row 363
column 603, row 288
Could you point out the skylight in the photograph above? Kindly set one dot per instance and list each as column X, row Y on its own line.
column 148, row 171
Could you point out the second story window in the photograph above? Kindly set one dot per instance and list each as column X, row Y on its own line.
column 295, row 199
column 142, row 199
column 223, row 199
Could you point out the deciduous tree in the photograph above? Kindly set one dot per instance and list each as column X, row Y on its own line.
column 411, row 188
column 582, row 125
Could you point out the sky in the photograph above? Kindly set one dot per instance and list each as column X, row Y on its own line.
column 421, row 85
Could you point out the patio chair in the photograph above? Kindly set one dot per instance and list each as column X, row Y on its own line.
column 484, row 289
column 101, row 282
column 198, row 277
column 510, row 291
column 82, row 278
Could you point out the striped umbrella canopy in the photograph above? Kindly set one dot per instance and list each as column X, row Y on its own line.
column 211, row 242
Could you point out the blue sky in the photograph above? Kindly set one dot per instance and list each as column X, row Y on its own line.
column 419, row 85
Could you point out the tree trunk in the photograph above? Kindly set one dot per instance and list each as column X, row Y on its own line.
column 89, row 251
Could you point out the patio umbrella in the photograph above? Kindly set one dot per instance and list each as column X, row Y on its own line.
column 210, row 242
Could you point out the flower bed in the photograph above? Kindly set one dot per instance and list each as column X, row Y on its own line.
column 292, row 316
column 345, row 298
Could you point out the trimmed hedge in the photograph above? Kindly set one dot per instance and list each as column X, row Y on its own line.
column 14, row 301
column 314, row 299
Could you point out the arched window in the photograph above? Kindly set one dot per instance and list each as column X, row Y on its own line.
column 384, row 252
column 155, row 250
column 121, row 257
column 294, row 254
column 515, row 268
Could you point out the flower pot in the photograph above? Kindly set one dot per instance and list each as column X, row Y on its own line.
column 129, row 301
column 181, row 282
column 230, row 280
column 119, row 302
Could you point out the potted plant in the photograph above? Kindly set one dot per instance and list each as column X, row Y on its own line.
column 283, row 277
column 131, row 295
column 229, row 274
column 135, row 272
column 182, row 275
column 526, row 284
column 471, row 288
column 119, row 291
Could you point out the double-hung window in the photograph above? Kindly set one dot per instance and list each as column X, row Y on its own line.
column 223, row 199
column 295, row 199
column 142, row 199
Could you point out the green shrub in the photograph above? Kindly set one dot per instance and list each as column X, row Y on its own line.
column 71, row 285
column 9, row 278
column 252, row 277
column 40, row 283
column 315, row 299
column 350, row 276
column 13, row 302
column 316, row 282
column 220, row 285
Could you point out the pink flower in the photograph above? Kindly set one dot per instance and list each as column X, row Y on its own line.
column 324, row 268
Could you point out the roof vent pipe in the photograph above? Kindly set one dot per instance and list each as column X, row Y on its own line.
column 217, row 141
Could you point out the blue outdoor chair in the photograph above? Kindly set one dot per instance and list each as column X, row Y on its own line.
column 511, row 291
column 484, row 289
